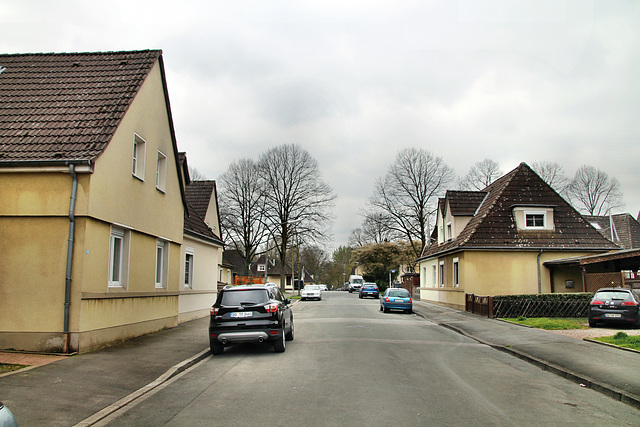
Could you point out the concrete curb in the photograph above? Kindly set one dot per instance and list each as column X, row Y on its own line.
column 172, row 372
column 584, row 381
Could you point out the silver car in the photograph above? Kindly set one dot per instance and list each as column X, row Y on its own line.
column 6, row 417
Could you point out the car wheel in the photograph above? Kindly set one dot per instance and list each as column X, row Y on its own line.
column 360, row 296
column 289, row 335
column 409, row 311
column 279, row 345
column 216, row 348
column 592, row 324
column 380, row 307
column 385, row 309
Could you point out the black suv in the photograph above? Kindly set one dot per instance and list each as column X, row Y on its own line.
column 251, row 313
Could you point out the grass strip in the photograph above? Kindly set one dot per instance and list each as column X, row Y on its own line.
column 8, row 367
column 622, row 339
column 554, row 323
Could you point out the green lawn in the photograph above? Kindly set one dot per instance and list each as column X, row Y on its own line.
column 8, row 367
column 621, row 339
column 552, row 323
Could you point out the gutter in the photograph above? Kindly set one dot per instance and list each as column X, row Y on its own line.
column 539, row 278
column 67, row 283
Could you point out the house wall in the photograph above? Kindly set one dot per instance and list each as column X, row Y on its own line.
column 34, row 226
column 195, row 302
column 488, row 273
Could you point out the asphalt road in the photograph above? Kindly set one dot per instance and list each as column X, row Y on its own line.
column 351, row 364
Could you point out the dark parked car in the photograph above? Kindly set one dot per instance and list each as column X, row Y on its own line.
column 615, row 305
column 369, row 289
column 396, row 298
column 255, row 313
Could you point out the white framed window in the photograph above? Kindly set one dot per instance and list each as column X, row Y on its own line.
column 442, row 274
column 434, row 282
column 161, row 172
column 139, row 150
column 162, row 252
column 456, row 272
column 118, row 257
column 188, row 267
column 534, row 220
column 261, row 267
column 449, row 232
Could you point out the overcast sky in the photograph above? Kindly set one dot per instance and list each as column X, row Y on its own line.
column 353, row 82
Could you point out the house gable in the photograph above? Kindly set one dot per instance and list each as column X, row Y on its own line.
column 495, row 223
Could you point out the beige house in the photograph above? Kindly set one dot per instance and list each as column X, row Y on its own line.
column 204, row 269
column 91, row 219
column 496, row 241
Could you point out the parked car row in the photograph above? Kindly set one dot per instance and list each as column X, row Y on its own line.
column 392, row 299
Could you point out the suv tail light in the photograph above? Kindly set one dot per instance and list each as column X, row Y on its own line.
column 271, row 308
column 214, row 311
column 629, row 303
column 596, row 302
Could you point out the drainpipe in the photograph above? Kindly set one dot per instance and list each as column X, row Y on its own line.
column 67, row 283
column 539, row 276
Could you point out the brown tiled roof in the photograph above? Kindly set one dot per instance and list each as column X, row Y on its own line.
column 199, row 195
column 464, row 203
column 194, row 225
column 494, row 227
column 626, row 231
column 66, row 106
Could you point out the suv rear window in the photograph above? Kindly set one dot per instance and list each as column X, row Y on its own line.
column 244, row 297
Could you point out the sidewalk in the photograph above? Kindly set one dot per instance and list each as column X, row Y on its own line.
column 609, row 370
column 71, row 389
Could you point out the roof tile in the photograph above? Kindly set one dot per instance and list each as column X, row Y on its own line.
column 66, row 106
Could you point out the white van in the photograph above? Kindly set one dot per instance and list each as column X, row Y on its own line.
column 355, row 283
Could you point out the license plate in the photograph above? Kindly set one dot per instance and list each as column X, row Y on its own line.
column 238, row 314
column 613, row 315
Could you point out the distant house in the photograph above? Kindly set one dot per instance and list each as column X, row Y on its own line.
column 204, row 269
column 264, row 269
column 495, row 241
column 93, row 203
column 621, row 229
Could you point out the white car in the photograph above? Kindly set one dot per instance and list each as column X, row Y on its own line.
column 311, row 292
column 323, row 288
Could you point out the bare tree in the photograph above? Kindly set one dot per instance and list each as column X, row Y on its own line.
column 196, row 175
column 377, row 227
column 553, row 174
column 480, row 175
column 593, row 192
column 242, row 208
column 408, row 194
column 296, row 200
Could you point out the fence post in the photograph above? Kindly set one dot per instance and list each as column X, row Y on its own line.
column 490, row 308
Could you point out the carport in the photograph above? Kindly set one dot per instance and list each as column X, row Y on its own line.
column 612, row 269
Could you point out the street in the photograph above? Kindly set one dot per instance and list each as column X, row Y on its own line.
column 350, row 364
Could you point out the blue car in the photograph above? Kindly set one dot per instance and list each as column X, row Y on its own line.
column 396, row 299
column 369, row 289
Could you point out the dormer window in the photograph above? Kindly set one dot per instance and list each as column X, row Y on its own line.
column 261, row 267
column 534, row 218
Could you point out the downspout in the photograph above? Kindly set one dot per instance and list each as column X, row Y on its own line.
column 67, row 283
column 539, row 276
